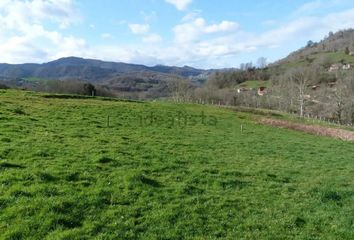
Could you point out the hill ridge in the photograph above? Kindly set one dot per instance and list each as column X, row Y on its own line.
column 88, row 69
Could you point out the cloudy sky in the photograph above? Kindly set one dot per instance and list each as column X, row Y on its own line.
column 199, row 33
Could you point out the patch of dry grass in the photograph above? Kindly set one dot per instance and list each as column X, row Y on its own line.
column 312, row 129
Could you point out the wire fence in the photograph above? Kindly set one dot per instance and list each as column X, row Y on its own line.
column 310, row 118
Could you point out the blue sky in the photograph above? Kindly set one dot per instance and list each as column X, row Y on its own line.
column 199, row 33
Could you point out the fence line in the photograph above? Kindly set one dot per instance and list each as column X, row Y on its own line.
column 308, row 116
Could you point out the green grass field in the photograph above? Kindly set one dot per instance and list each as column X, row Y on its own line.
column 334, row 57
column 36, row 79
column 65, row 173
column 255, row 84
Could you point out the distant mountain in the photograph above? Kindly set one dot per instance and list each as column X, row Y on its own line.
column 88, row 70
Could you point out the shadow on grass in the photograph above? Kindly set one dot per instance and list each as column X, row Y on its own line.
column 45, row 177
column 260, row 112
column 19, row 111
column 105, row 160
column 141, row 179
column 331, row 196
column 72, row 96
column 6, row 165
column 233, row 184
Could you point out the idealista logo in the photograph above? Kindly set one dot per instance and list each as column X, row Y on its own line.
column 178, row 119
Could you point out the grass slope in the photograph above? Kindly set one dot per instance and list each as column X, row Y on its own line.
column 333, row 57
column 255, row 84
column 36, row 79
column 65, row 174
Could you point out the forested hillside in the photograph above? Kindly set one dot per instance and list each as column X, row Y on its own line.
column 317, row 80
column 339, row 42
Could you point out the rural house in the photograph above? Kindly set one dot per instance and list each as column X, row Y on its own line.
column 332, row 84
column 240, row 90
column 339, row 66
column 262, row 91
column 346, row 66
column 315, row 87
column 335, row 67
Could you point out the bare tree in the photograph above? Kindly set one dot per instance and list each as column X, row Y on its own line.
column 262, row 62
column 299, row 80
column 179, row 89
column 324, row 61
column 341, row 98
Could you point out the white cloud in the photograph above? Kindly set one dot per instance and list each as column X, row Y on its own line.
column 317, row 6
column 70, row 46
column 270, row 22
column 180, row 4
column 306, row 28
column 139, row 28
column 148, row 17
column 191, row 16
column 202, row 43
column 152, row 38
column 309, row 7
column 224, row 26
column 194, row 30
column 24, row 37
column 106, row 36
column 18, row 49
column 122, row 22
column 18, row 12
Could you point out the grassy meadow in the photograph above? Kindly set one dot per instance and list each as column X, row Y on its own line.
column 94, row 168
column 255, row 84
column 332, row 57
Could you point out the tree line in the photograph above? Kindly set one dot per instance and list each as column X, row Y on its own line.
column 311, row 90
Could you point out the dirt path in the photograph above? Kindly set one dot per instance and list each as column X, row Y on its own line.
column 313, row 129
